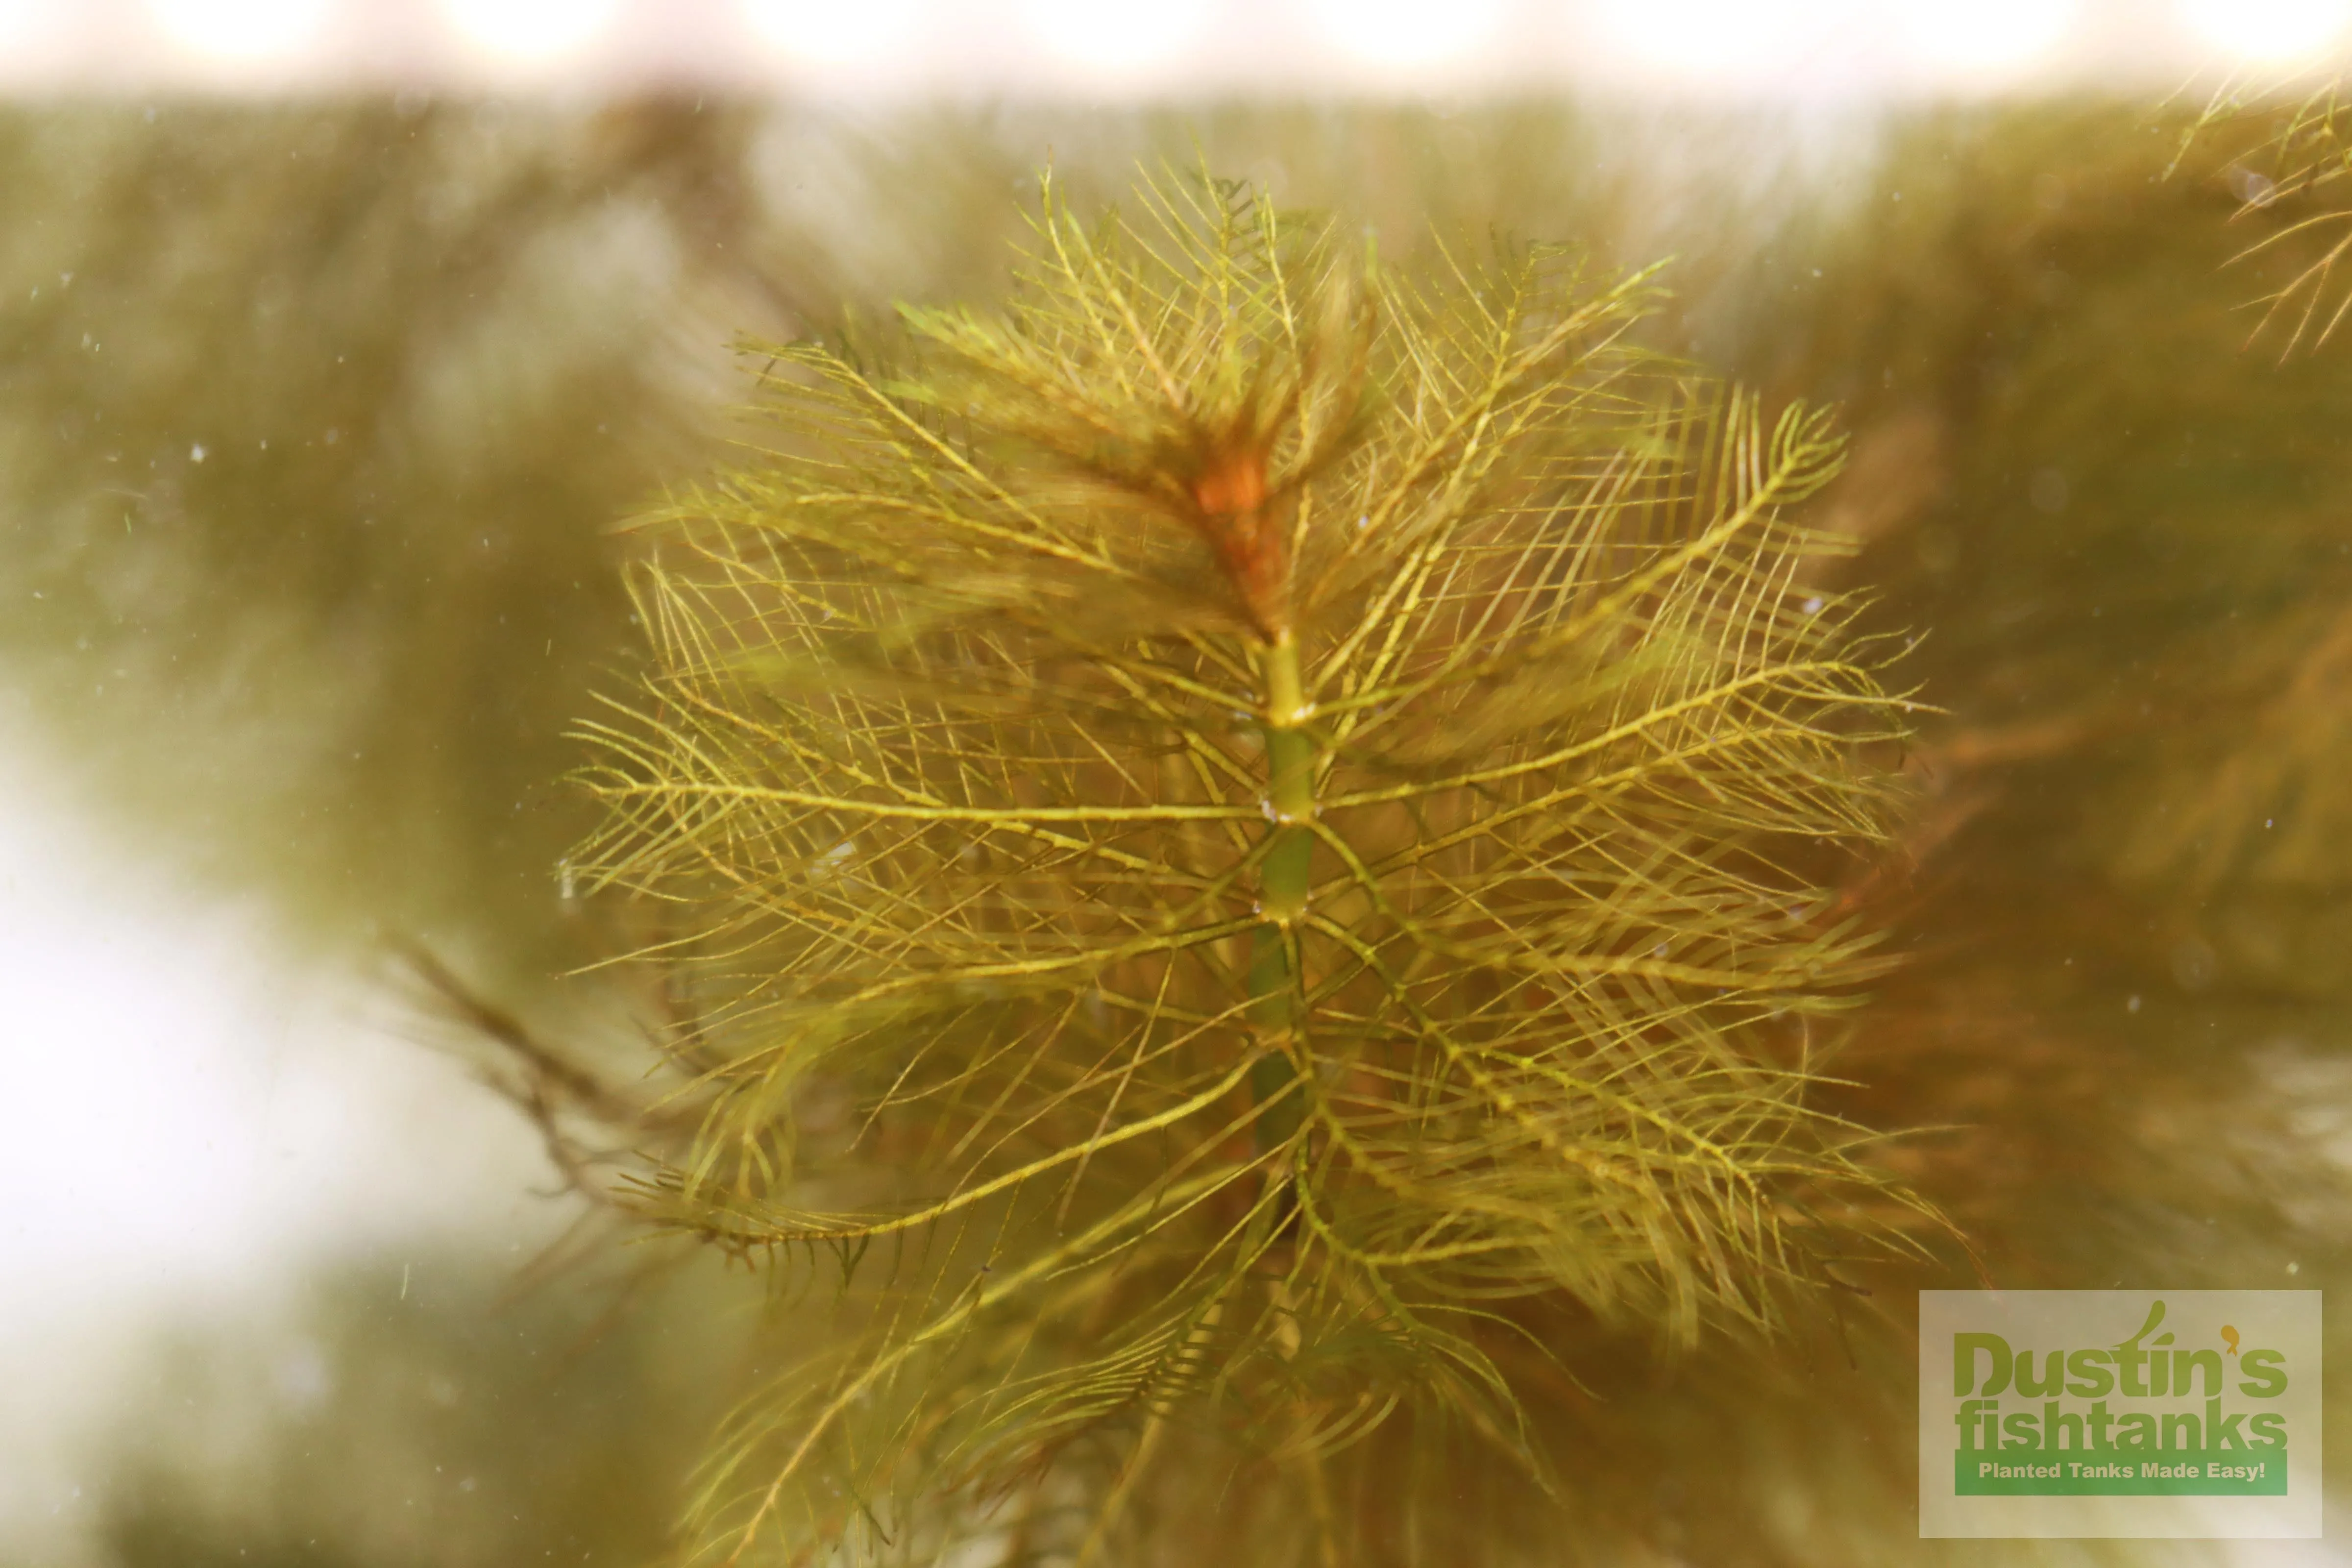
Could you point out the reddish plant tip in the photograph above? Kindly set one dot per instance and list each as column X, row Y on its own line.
column 1233, row 482
column 1231, row 494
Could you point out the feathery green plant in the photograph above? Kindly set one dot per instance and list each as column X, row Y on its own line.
column 2285, row 157
column 1242, row 835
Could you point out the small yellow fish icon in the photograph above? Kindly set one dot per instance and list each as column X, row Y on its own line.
column 2230, row 1338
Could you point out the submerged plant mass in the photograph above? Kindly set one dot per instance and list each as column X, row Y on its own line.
column 1249, row 844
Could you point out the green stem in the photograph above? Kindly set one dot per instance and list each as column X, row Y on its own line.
column 1285, row 876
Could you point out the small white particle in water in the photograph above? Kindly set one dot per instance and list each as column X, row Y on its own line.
column 197, row 453
column 2132, row 1005
column 1813, row 606
column 2266, row 822
column 1365, row 521
column 2294, row 1269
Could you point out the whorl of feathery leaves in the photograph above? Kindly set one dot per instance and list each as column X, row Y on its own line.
column 2285, row 158
column 1239, row 828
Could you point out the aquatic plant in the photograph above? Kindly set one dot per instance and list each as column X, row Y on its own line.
column 1238, row 833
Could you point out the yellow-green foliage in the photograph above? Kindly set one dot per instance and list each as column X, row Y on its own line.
column 1243, row 835
column 2285, row 160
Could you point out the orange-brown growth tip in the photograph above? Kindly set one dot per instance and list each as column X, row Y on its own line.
column 1233, row 482
column 1230, row 492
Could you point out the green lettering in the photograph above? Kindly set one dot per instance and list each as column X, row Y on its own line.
column 1971, row 1414
column 2061, row 1429
column 2263, row 1374
column 2186, row 1362
column 1964, row 1364
column 2053, row 1373
column 2221, row 1431
column 2092, row 1378
column 2129, row 1357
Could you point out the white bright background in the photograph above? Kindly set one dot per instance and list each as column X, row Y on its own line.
column 1120, row 47
column 191, row 1123
column 191, row 1127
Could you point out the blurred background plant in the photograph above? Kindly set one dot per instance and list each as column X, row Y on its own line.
column 331, row 674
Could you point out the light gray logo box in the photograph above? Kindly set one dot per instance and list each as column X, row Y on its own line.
column 2179, row 1414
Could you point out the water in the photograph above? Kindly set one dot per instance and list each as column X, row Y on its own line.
column 307, row 541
